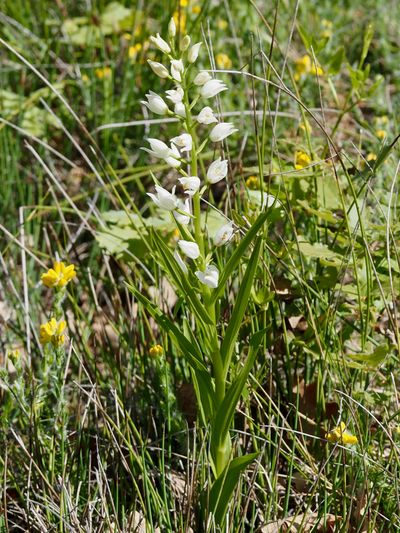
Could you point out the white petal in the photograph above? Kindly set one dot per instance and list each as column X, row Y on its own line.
column 180, row 262
column 202, row 78
column 209, row 277
column 212, row 88
column 189, row 248
column 217, row 171
column 223, row 235
column 221, row 131
column 193, row 53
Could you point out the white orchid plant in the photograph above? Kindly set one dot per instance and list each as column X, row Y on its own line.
column 218, row 370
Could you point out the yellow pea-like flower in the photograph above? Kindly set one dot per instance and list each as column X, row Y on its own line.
column 59, row 275
column 340, row 435
column 103, row 73
column 53, row 332
column 156, row 350
column 301, row 160
column 253, row 183
column 223, row 61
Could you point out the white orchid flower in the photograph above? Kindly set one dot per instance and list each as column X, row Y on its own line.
column 202, row 78
column 217, row 171
column 177, row 69
column 158, row 148
column 175, row 95
column 212, row 88
column 184, row 207
column 223, row 235
column 209, row 276
column 155, row 103
column 158, row 68
column 173, row 159
column 193, row 53
column 180, row 110
column 184, row 142
column 164, row 199
column 191, row 184
column 221, row 131
column 189, row 248
column 206, row 116
column 160, row 43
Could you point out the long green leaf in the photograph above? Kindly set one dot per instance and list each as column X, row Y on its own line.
column 224, row 486
column 238, row 253
column 224, row 416
column 242, row 300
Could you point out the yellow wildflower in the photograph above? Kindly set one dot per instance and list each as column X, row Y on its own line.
column 382, row 120
column 339, row 434
column 196, row 10
column 371, row 157
column 184, row 3
column 102, row 73
column 381, row 134
column 59, row 275
column 327, row 32
column 253, row 183
column 316, row 70
column 223, row 61
column 156, row 350
column 127, row 36
column 304, row 65
column 52, row 332
column 85, row 78
column 134, row 50
column 222, row 24
column 301, row 160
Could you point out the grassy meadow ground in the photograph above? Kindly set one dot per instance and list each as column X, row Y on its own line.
column 104, row 433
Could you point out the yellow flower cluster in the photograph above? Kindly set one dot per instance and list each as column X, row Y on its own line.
column 58, row 276
column 304, row 65
column 156, row 350
column 301, row 160
column 340, row 435
column 253, row 183
column 53, row 332
column 223, row 61
column 103, row 73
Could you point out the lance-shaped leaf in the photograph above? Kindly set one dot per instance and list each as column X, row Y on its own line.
column 224, row 416
column 242, row 300
column 224, row 486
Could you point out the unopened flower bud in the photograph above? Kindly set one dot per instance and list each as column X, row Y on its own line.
column 193, row 53
column 172, row 28
column 185, row 43
column 160, row 43
column 202, row 78
column 158, row 69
